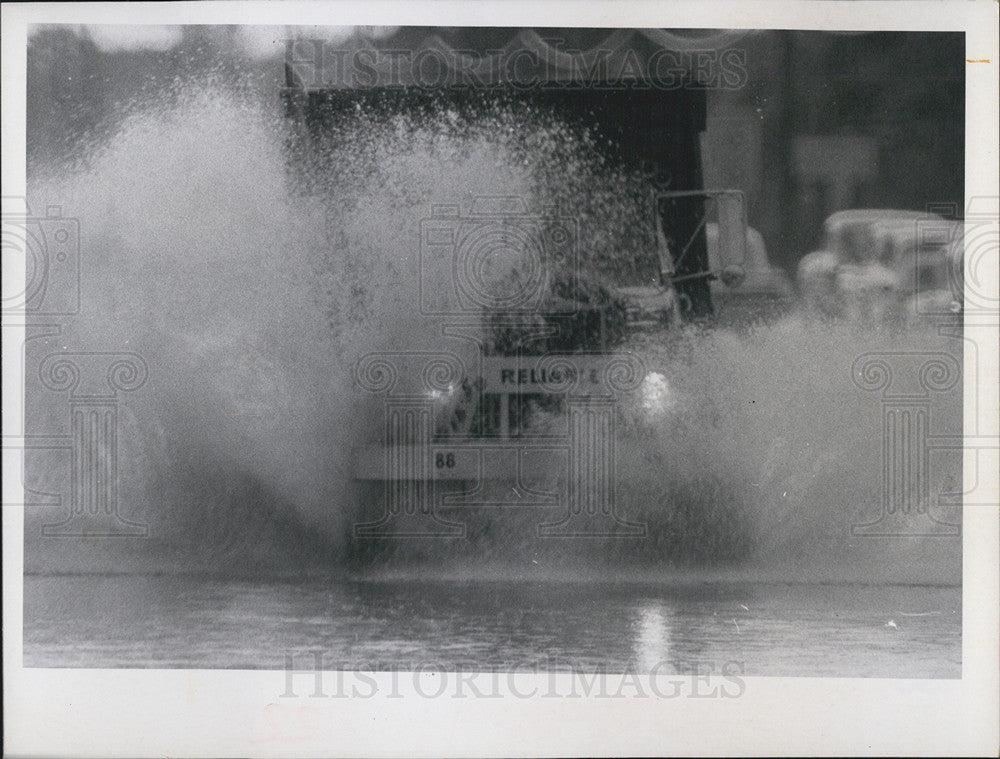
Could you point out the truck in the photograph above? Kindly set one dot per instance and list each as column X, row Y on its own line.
column 526, row 423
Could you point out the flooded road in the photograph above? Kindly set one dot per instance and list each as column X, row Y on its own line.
column 767, row 629
column 756, row 448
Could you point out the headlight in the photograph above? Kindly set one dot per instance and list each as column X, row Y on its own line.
column 657, row 395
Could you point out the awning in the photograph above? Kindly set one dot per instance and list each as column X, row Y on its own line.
column 436, row 57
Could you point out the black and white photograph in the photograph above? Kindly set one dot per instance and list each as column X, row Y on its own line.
column 465, row 364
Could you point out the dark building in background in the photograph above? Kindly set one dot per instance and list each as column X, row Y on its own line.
column 834, row 121
column 824, row 122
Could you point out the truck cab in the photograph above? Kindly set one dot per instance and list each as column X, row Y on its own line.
column 525, row 422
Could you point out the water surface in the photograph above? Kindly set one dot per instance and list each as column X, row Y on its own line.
column 770, row 629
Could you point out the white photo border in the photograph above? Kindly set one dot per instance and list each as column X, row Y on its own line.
column 77, row 712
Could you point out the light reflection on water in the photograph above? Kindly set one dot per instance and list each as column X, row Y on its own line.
column 652, row 641
column 769, row 629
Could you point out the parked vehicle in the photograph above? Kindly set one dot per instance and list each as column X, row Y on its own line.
column 926, row 260
column 882, row 264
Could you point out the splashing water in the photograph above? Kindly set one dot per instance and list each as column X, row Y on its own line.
column 251, row 297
